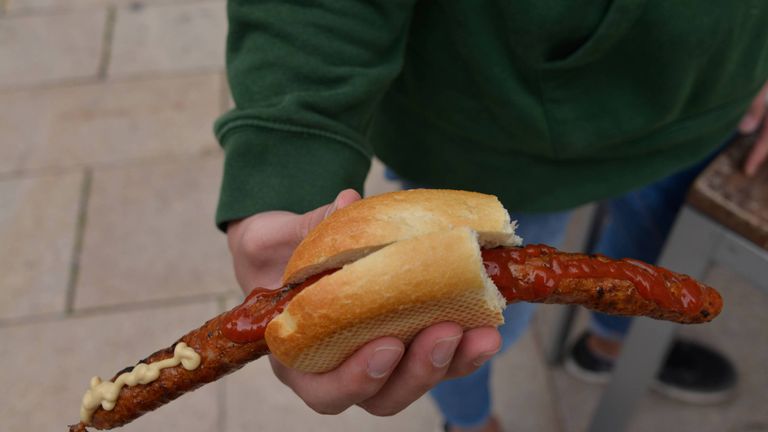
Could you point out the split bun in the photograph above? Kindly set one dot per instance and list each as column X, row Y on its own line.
column 407, row 260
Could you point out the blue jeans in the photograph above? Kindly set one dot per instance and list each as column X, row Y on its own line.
column 636, row 225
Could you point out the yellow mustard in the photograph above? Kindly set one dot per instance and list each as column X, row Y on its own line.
column 105, row 393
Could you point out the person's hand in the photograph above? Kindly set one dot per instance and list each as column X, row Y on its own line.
column 383, row 377
column 262, row 244
column 751, row 122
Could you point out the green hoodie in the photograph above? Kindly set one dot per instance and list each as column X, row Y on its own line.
column 548, row 104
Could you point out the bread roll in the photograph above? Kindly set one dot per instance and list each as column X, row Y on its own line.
column 369, row 224
column 412, row 260
column 395, row 291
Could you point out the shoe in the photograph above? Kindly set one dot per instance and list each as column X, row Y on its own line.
column 691, row 372
column 586, row 366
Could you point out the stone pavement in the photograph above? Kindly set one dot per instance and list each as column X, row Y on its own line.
column 108, row 181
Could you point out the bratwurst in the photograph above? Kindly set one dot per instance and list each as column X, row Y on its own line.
column 321, row 315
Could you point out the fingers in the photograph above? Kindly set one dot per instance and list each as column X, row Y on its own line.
column 751, row 121
column 346, row 197
column 423, row 366
column 477, row 347
column 758, row 154
column 357, row 379
column 383, row 380
column 438, row 352
column 262, row 244
column 755, row 114
column 310, row 219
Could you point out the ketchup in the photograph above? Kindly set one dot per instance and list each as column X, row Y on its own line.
column 546, row 267
column 248, row 321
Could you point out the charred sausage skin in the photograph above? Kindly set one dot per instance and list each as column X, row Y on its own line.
column 537, row 273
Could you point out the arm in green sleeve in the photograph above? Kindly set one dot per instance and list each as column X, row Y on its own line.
column 305, row 78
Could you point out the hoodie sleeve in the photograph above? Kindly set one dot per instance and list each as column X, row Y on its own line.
column 305, row 77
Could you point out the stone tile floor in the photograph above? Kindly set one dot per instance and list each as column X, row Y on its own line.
column 108, row 181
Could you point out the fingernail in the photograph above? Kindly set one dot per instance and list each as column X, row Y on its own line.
column 484, row 357
column 748, row 124
column 442, row 353
column 383, row 360
column 331, row 208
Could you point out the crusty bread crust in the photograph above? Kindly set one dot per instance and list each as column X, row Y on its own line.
column 395, row 291
column 367, row 225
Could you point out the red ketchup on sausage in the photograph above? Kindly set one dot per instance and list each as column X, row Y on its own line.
column 545, row 269
column 248, row 321
column 652, row 283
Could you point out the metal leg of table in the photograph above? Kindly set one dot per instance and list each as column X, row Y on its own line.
column 690, row 249
column 643, row 352
column 557, row 351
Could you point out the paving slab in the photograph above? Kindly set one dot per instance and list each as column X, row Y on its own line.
column 522, row 393
column 48, row 6
column 150, row 234
column 38, row 219
column 739, row 333
column 50, row 48
column 254, row 400
column 47, row 367
column 168, row 38
column 575, row 401
column 108, row 122
column 12, row 151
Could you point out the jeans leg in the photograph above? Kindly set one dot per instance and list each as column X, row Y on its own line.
column 466, row 401
column 637, row 226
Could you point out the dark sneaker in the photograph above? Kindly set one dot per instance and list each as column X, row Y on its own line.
column 586, row 366
column 691, row 372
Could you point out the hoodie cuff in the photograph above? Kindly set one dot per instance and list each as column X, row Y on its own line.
column 267, row 169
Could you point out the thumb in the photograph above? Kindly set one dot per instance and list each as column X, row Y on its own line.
column 312, row 218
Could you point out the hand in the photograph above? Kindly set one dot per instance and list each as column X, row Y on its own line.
column 752, row 120
column 383, row 377
column 262, row 244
